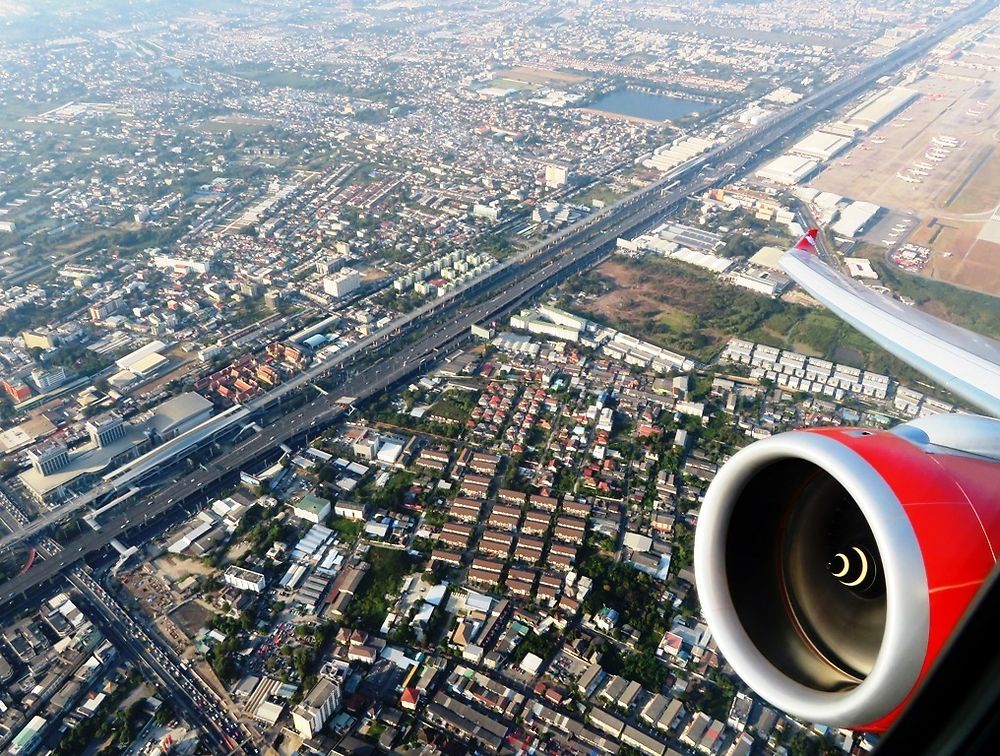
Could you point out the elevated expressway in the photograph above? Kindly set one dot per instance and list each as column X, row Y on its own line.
column 442, row 322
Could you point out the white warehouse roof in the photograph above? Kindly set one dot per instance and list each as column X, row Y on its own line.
column 132, row 358
column 854, row 217
column 880, row 107
column 788, row 169
column 821, row 145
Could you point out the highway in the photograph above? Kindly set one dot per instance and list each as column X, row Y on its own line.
column 517, row 278
column 195, row 703
column 190, row 696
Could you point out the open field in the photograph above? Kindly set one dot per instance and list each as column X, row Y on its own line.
column 176, row 569
column 689, row 310
column 948, row 141
column 541, row 76
column 191, row 617
column 510, row 84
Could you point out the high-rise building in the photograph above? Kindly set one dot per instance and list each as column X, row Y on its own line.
column 310, row 715
column 342, row 284
column 555, row 175
column 105, row 429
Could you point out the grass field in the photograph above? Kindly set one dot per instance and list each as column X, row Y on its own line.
column 687, row 309
column 980, row 192
column 510, row 84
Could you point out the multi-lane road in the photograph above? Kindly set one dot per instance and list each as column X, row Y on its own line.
column 517, row 278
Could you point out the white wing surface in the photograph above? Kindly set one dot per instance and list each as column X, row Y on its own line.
column 959, row 360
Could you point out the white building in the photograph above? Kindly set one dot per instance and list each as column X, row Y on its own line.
column 312, row 508
column 767, row 282
column 244, row 580
column 490, row 212
column 135, row 358
column 352, row 510
column 860, row 267
column 788, row 169
column 310, row 715
column 821, row 145
column 854, row 218
column 555, row 175
column 880, row 107
column 342, row 284
column 45, row 380
column 182, row 265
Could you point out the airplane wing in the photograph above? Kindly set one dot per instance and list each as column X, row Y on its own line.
column 959, row 360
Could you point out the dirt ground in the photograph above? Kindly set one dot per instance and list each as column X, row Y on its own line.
column 190, row 617
column 959, row 188
column 175, row 570
column 150, row 590
column 179, row 641
column 636, row 299
column 541, row 76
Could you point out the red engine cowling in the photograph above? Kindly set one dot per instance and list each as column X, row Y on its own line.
column 832, row 565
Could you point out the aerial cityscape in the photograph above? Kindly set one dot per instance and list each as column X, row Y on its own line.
column 365, row 365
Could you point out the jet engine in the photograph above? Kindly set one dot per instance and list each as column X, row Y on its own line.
column 833, row 564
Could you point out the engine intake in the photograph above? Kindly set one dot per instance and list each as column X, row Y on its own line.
column 833, row 564
column 809, row 590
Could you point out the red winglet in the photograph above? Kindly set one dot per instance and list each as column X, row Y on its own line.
column 808, row 242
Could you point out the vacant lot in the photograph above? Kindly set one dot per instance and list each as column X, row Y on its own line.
column 191, row 617
column 689, row 310
column 542, row 76
column 176, row 569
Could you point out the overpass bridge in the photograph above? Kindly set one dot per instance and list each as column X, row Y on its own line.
column 517, row 278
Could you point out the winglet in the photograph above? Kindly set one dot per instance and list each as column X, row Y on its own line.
column 808, row 242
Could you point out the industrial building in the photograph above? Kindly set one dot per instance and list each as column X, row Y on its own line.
column 788, row 170
column 141, row 364
column 879, row 108
column 764, row 281
column 244, row 580
column 821, row 145
column 671, row 155
column 854, row 217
